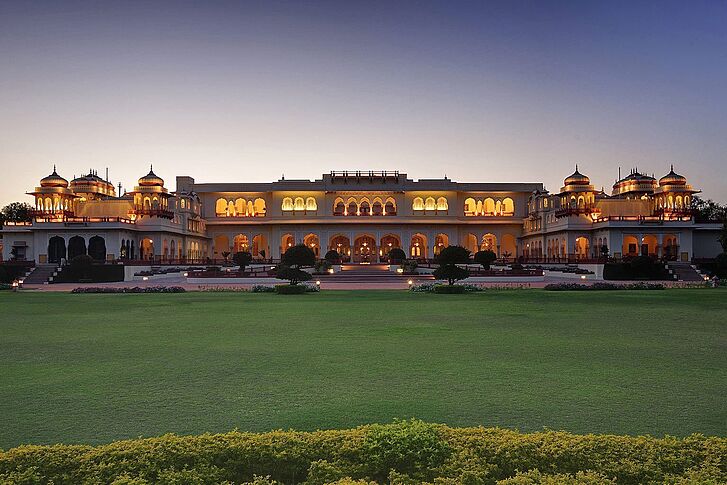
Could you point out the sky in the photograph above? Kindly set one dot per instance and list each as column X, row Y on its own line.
column 509, row 91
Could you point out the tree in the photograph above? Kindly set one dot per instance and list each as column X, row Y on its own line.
column 708, row 210
column 293, row 275
column 723, row 237
column 451, row 273
column 298, row 256
column 80, row 266
column 485, row 258
column 397, row 255
column 453, row 255
column 604, row 251
column 242, row 259
column 16, row 212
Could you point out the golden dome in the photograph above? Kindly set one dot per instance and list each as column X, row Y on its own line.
column 151, row 179
column 54, row 180
column 672, row 178
column 577, row 178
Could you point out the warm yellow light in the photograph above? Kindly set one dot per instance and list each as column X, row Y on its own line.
column 399, row 270
column 318, row 283
column 410, row 282
column 330, row 271
column 145, row 278
column 583, row 277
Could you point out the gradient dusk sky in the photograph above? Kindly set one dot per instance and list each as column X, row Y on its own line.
column 247, row 91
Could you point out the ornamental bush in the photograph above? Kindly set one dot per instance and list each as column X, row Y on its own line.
column 450, row 289
column 290, row 289
column 403, row 453
column 396, row 255
column 485, row 258
column 332, row 257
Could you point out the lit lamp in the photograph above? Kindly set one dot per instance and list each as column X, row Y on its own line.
column 399, row 270
column 15, row 285
column 330, row 271
column 410, row 282
column 318, row 282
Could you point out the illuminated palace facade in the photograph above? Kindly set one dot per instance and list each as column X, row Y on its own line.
column 361, row 215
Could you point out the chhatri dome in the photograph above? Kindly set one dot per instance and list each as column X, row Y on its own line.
column 577, row 178
column 54, row 180
column 672, row 178
column 151, row 179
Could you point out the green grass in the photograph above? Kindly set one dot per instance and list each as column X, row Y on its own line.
column 94, row 368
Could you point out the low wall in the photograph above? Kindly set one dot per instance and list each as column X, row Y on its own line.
column 236, row 281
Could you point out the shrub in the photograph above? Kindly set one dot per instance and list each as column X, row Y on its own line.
column 242, row 259
column 294, row 275
column 453, row 255
column 396, row 255
column 451, row 273
column 332, row 257
column 450, row 289
column 602, row 286
column 290, row 289
column 298, row 256
column 639, row 268
column 409, row 266
column 262, row 289
column 416, row 452
column 80, row 267
column 322, row 266
column 135, row 289
column 485, row 258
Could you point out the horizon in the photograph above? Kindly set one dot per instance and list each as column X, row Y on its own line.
column 479, row 92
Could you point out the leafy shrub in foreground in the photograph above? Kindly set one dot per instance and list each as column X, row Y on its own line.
column 402, row 453
column 598, row 286
column 135, row 289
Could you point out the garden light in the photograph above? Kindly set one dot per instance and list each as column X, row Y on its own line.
column 318, row 282
column 330, row 270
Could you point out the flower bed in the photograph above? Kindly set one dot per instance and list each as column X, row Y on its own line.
column 603, row 287
column 135, row 289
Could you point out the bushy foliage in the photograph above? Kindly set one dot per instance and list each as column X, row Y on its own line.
column 262, row 289
column 322, row 266
column 242, row 259
column 639, row 268
column 290, row 289
column 16, row 212
column 294, row 275
column 396, row 255
column 451, row 273
column 485, row 258
column 450, row 289
column 402, row 453
column 80, row 267
column 332, row 257
column 409, row 266
column 298, row 256
column 453, row 255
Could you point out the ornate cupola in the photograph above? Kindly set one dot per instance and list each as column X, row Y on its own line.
column 53, row 198
column 634, row 186
column 577, row 196
column 92, row 187
column 151, row 198
column 673, row 197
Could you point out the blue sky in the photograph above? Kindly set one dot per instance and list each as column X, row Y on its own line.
column 248, row 91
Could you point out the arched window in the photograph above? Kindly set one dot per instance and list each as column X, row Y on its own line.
column 377, row 208
column 250, row 208
column 310, row 204
column 508, row 206
column 241, row 207
column 498, row 207
column 365, row 208
column 352, row 207
column 390, row 207
column 489, row 206
column 299, row 204
column 259, row 207
column 430, row 204
column 442, row 204
column 339, row 208
column 470, row 207
column 287, row 204
column 418, row 204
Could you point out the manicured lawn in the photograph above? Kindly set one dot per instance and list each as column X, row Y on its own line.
column 94, row 368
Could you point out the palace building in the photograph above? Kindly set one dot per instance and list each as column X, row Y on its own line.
column 362, row 215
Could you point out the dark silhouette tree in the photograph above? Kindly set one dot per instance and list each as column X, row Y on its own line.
column 242, row 259
column 485, row 258
column 298, row 256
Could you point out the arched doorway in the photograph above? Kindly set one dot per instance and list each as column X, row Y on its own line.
column 241, row 244
column 146, row 249
column 630, row 246
column 287, row 241
column 311, row 240
column 582, row 247
column 97, row 248
column 76, row 247
column 648, row 245
column 670, row 247
column 489, row 243
column 259, row 246
column 441, row 241
column 221, row 245
column 56, row 249
column 418, row 246
column 470, row 242
column 388, row 242
column 342, row 246
column 364, row 247
column 508, row 246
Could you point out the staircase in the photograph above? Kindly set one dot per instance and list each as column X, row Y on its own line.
column 371, row 273
column 41, row 274
column 684, row 271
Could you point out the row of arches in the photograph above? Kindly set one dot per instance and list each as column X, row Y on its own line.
column 299, row 204
column 59, row 250
column 53, row 204
column 364, row 206
column 673, row 202
column 258, row 247
column 240, row 207
column 489, row 207
column 430, row 204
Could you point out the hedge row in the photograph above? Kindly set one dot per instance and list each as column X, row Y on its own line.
column 405, row 452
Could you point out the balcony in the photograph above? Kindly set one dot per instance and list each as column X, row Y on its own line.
column 163, row 213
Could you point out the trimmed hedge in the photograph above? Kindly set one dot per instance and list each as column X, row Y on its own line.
column 290, row 289
column 135, row 289
column 98, row 273
column 449, row 289
column 405, row 452
column 640, row 268
column 598, row 286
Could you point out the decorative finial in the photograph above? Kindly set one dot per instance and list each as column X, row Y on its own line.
column 576, row 167
column 151, row 168
column 672, row 167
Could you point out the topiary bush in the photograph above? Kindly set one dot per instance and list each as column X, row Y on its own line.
column 450, row 289
column 396, row 256
column 485, row 258
column 290, row 289
column 332, row 257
